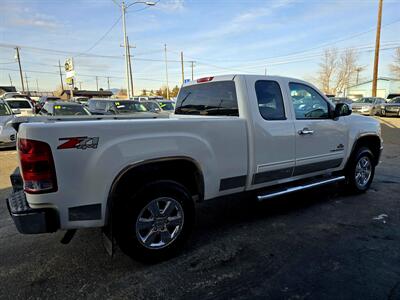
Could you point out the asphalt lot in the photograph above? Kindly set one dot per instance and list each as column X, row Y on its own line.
column 320, row 244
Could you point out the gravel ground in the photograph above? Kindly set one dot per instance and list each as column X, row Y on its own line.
column 319, row 244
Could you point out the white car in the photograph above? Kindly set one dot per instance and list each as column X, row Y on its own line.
column 9, row 94
column 139, row 178
column 21, row 106
column 7, row 132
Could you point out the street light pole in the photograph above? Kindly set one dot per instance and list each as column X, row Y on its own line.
column 124, row 7
column 128, row 90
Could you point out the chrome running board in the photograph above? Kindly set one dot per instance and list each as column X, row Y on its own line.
column 299, row 188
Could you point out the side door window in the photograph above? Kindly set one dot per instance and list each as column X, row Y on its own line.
column 100, row 105
column 308, row 103
column 270, row 100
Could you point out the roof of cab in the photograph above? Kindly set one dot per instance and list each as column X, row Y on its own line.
column 232, row 77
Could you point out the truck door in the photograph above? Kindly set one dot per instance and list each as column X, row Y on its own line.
column 321, row 141
column 273, row 133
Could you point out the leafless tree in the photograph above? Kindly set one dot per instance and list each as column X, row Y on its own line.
column 338, row 72
column 347, row 70
column 328, row 68
column 395, row 66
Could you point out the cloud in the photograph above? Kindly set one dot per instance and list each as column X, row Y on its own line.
column 23, row 16
column 246, row 21
column 171, row 5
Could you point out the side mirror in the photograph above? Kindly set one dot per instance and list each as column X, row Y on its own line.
column 341, row 110
column 17, row 111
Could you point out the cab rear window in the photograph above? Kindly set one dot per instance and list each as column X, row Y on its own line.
column 212, row 99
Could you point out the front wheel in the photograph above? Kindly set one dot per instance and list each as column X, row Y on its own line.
column 153, row 224
column 360, row 171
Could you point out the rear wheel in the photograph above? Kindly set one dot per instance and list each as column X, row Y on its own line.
column 154, row 224
column 360, row 171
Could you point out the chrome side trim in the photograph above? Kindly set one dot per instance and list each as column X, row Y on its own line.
column 299, row 188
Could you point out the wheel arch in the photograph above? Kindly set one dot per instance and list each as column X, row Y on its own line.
column 186, row 171
column 371, row 141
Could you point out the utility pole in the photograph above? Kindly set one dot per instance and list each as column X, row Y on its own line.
column 128, row 90
column 37, row 86
column 130, row 70
column 27, row 86
column 183, row 70
column 9, row 76
column 358, row 70
column 377, row 44
column 108, row 83
column 20, row 69
column 166, row 68
column 80, row 85
column 265, row 71
column 97, row 83
column 61, row 79
column 192, row 68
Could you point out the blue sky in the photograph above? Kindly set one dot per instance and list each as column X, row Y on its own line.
column 222, row 37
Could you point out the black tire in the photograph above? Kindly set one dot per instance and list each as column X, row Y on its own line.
column 127, row 232
column 353, row 185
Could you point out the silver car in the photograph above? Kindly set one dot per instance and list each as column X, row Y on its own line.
column 370, row 106
column 7, row 133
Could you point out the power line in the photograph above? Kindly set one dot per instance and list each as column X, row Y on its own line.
column 101, row 38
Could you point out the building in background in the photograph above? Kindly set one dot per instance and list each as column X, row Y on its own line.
column 385, row 86
column 65, row 95
column 7, row 89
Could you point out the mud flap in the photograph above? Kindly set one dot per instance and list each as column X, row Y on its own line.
column 108, row 238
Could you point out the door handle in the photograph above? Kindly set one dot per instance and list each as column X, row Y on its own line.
column 305, row 131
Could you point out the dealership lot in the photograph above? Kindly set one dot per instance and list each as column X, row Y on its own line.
column 316, row 244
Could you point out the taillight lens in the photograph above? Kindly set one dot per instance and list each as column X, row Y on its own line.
column 205, row 79
column 37, row 166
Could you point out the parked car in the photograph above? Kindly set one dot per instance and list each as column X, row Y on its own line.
column 43, row 100
column 370, row 106
column 115, row 107
column 21, row 106
column 141, row 98
column 152, row 106
column 346, row 100
column 391, row 108
column 63, row 108
column 81, row 100
column 167, row 105
column 9, row 95
column 139, row 178
column 7, row 132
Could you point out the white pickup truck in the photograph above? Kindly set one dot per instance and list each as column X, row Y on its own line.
column 139, row 178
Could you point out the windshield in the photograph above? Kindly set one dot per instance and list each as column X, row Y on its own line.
column 152, row 106
column 129, row 106
column 366, row 100
column 4, row 110
column 166, row 105
column 70, row 110
column 49, row 99
column 18, row 104
column 395, row 100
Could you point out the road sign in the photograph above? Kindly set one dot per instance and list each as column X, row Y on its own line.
column 70, row 80
column 186, row 81
column 69, row 68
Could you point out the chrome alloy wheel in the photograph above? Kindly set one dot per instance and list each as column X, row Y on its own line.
column 363, row 171
column 159, row 223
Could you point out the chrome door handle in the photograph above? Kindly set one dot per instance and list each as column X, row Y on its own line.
column 305, row 131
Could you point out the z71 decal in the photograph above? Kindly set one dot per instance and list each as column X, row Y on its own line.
column 82, row 142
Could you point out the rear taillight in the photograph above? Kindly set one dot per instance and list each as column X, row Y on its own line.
column 205, row 79
column 37, row 166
